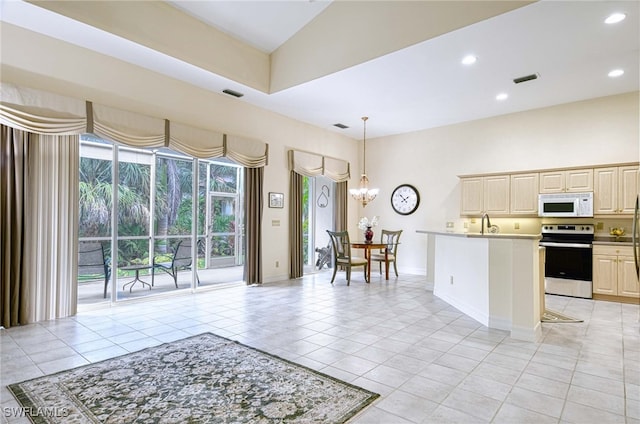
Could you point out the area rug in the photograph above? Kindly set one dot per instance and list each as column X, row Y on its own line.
column 200, row 379
column 553, row 316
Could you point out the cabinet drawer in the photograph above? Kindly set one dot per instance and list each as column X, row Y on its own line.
column 612, row 250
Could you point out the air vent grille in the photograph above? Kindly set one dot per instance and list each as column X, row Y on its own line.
column 232, row 93
column 526, row 78
column 341, row 126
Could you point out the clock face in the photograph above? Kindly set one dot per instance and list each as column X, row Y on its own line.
column 405, row 199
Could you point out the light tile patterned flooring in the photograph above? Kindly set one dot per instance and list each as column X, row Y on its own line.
column 430, row 363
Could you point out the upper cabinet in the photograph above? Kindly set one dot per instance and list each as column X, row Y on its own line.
column 524, row 194
column 616, row 188
column 569, row 181
column 488, row 194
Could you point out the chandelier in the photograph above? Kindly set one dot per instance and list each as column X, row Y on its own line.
column 364, row 194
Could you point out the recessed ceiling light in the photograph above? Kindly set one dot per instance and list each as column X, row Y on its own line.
column 469, row 59
column 502, row 96
column 616, row 73
column 614, row 18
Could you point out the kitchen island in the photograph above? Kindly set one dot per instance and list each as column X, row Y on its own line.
column 493, row 278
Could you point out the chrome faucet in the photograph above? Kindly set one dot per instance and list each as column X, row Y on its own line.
column 485, row 215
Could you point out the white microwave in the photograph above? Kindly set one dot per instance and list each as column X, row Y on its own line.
column 566, row 204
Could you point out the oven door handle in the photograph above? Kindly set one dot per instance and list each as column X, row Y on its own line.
column 553, row 244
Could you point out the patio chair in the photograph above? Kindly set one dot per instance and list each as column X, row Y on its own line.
column 180, row 259
column 91, row 261
column 342, row 255
column 390, row 238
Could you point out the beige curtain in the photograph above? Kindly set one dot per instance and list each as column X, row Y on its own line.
column 52, row 226
column 253, row 202
column 14, row 289
column 340, row 212
column 296, row 264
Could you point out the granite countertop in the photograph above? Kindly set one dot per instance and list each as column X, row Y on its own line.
column 611, row 240
column 485, row 235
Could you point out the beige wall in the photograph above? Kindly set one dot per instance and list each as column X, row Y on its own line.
column 591, row 132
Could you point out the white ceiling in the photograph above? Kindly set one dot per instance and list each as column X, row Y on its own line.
column 422, row 86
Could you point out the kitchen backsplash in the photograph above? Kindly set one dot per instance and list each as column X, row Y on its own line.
column 532, row 225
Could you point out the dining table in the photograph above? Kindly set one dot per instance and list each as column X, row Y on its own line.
column 368, row 246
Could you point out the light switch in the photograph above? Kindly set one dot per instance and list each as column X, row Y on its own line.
column 275, row 222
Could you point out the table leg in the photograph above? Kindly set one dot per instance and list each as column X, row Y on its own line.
column 367, row 255
column 134, row 281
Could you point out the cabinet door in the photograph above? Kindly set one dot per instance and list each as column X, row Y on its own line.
column 524, row 194
column 578, row 180
column 471, row 197
column 605, row 271
column 552, row 182
column 605, row 201
column 496, row 194
column 627, row 280
column 627, row 188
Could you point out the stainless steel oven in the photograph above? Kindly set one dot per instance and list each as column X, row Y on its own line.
column 569, row 262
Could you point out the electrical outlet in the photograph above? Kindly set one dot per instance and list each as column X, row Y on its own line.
column 516, row 226
column 451, row 279
column 277, row 264
column 600, row 226
column 466, row 225
column 473, row 220
column 449, row 224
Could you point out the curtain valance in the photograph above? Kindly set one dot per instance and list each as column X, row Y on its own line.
column 132, row 129
column 305, row 163
column 246, row 151
column 336, row 169
column 196, row 142
column 41, row 112
column 313, row 164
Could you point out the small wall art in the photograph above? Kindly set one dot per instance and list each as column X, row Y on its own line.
column 276, row 200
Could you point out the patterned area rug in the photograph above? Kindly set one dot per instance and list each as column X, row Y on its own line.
column 200, row 379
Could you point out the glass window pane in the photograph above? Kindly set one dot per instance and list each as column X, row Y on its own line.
column 96, row 187
column 133, row 194
column 223, row 178
column 173, row 197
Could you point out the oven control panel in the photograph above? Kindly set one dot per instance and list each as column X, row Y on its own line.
column 567, row 229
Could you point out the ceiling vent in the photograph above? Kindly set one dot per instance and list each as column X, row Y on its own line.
column 526, row 78
column 232, row 93
column 341, row 126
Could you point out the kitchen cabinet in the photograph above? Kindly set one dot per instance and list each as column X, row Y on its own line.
column 488, row 194
column 524, row 194
column 566, row 181
column 615, row 190
column 614, row 271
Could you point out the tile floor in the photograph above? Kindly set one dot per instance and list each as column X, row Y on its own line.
column 430, row 363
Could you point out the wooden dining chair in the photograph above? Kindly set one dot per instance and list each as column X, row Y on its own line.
column 342, row 256
column 390, row 239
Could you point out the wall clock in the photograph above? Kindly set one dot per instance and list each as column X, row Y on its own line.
column 405, row 199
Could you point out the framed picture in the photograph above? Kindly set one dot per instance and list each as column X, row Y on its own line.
column 276, row 200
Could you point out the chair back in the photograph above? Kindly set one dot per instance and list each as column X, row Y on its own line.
column 390, row 238
column 182, row 255
column 91, row 260
column 341, row 245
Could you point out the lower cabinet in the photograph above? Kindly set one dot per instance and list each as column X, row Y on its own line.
column 614, row 271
